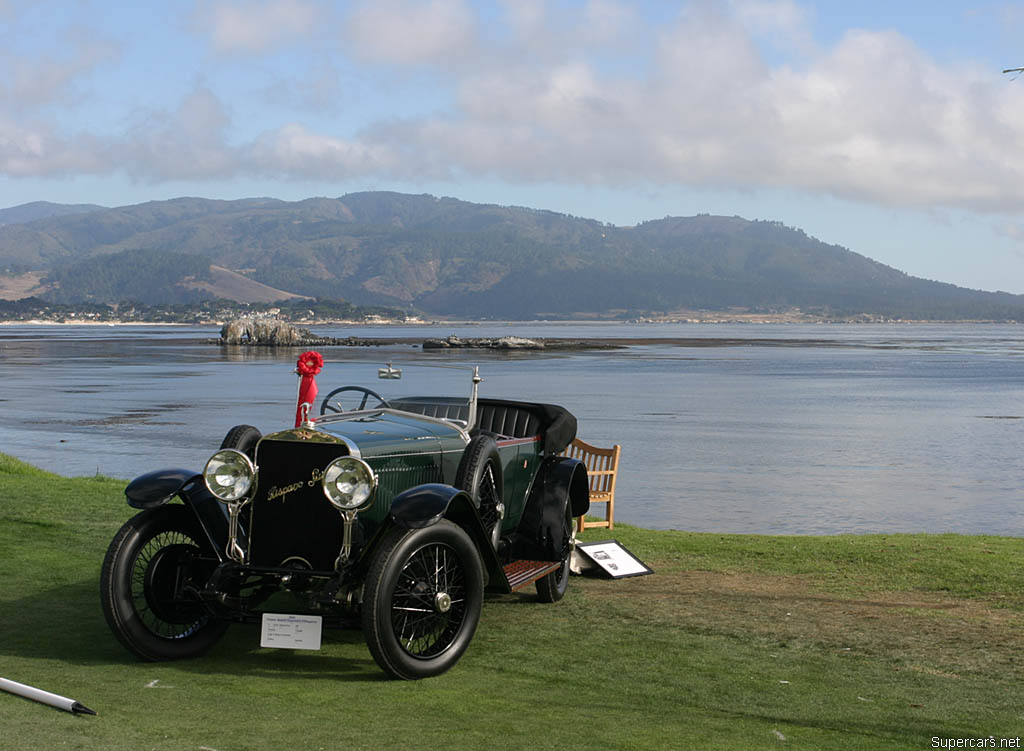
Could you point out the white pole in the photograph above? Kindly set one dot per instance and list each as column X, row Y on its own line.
column 36, row 694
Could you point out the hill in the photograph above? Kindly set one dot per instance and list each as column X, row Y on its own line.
column 30, row 212
column 443, row 256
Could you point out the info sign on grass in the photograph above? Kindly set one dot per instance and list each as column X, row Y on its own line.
column 285, row 631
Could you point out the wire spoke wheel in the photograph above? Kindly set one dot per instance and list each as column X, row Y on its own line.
column 151, row 569
column 428, row 605
column 422, row 600
column 157, row 578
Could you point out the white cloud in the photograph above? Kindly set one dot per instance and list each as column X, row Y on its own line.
column 692, row 101
column 873, row 119
column 527, row 18
column 33, row 149
column 606, row 21
column 550, row 33
column 29, row 82
column 189, row 143
column 783, row 22
column 411, row 31
column 295, row 152
column 244, row 26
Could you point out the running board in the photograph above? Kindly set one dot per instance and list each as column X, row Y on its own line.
column 521, row 573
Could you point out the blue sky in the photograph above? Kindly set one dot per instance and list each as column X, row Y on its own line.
column 887, row 128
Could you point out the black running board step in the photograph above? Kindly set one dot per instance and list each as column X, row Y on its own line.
column 521, row 573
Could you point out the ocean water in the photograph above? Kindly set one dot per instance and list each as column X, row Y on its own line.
column 725, row 428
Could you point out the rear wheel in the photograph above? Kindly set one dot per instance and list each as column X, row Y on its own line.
column 144, row 583
column 552, row 588
column 422, row 600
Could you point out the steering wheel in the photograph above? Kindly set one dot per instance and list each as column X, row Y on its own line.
column 337, row 406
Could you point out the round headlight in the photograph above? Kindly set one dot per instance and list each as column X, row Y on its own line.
column 229, row 474
column 349, row 483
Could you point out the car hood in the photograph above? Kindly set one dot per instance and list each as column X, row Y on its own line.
column 386, row 433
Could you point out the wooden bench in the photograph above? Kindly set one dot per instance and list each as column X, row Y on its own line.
column 602, row 465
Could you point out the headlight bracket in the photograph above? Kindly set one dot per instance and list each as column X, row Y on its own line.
column 231, row 476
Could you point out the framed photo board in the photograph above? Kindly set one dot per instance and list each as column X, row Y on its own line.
column 612, row 559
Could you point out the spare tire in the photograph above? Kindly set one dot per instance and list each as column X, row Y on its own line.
column 243, row 438
column 479, row 474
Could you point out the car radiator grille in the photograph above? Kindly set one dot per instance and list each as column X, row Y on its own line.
column 291, row 518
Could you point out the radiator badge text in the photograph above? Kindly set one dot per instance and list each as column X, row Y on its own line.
column 276, row 493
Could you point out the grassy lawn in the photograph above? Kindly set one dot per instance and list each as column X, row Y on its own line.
column 736, row 642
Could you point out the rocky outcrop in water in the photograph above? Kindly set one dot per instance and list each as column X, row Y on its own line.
column 263, row 331
column 270, row 332
column 503, row 342
column 515, row 343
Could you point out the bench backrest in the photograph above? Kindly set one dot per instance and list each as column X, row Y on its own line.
column 602, row 464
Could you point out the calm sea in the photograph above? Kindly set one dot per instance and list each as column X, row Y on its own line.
column 754, row 428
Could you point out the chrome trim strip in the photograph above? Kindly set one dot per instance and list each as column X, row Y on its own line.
column 417, row 453
column 322, row 437
column 353, row 449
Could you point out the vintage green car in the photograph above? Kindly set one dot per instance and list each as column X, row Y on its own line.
column 396, row 515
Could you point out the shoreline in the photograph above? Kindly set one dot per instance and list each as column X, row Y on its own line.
column 98, row 324
column 16, row 465
column 543, row 322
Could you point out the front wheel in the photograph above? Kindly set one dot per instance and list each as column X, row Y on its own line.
column 422, row 600
column 143, row 586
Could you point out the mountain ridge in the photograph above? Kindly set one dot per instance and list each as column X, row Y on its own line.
column 445, row 256
column 30, row 212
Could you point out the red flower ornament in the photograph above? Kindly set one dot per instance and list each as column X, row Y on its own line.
column 310, row 363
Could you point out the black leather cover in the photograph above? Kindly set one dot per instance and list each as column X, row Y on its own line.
column 502, row 417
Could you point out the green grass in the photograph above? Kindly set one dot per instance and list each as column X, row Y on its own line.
column 736, row 642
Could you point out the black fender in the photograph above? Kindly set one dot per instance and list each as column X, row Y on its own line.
column 157, row 488
column 425, row 505
column 560, row 483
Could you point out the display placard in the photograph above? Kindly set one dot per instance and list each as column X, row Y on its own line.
column 286, row 631
column 610, row 557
